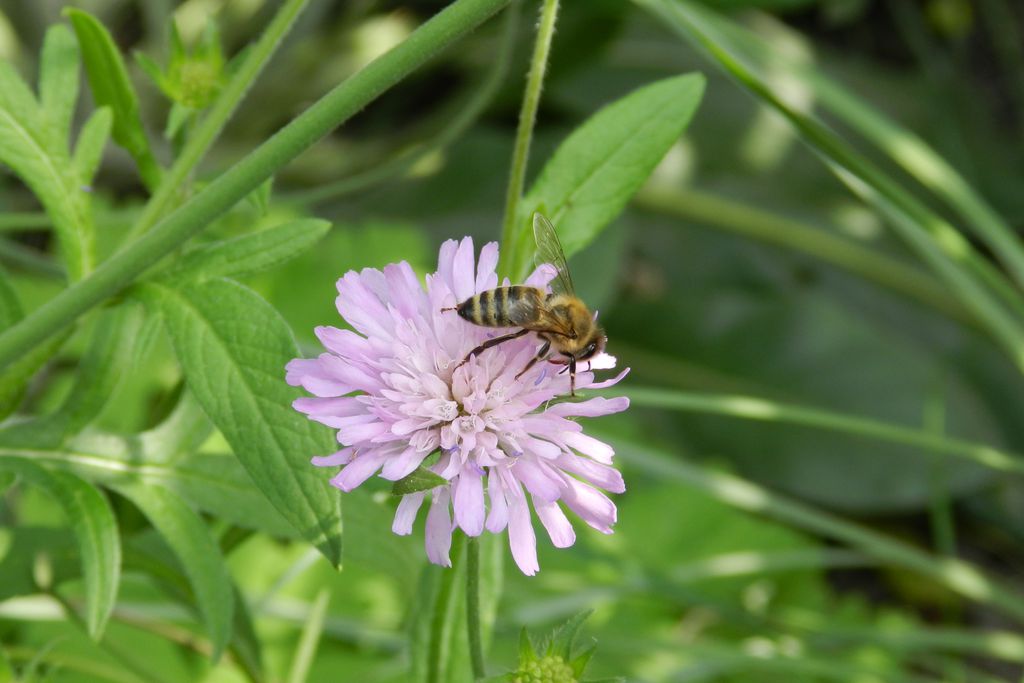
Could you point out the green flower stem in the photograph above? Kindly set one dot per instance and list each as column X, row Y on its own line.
column 510, row 236
column 733, row 216
column 958, row 576
column 206, row 133
column 753, row 408
column 336, row 107
column 476, row 648
column 467, row 115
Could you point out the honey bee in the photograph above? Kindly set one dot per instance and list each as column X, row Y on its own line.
column 560, row 319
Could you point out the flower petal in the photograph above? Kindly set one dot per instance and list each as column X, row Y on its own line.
column 398, row 466
column 588, row 445
column 439, row 529
column 556, row 523
column 595, row 407
column 362, row 467
column 462, row 272
column 591, row 505
column 469, row 501
column 497, row 518
column 342, row 457
column 521, row 538
column 406, row 513
column 485, row 275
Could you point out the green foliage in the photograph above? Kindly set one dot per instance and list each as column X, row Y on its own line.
column 89, row 515
column 111, row 87
column 806, row 340
column 421, row 479
column 197, row 552
column 593, row 174
column 226, row 337
column 34, row 138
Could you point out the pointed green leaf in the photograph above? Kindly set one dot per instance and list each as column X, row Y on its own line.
column 16, row 99
column 598, row 168
column 37, row 150
column 421, row 479
column 196, row 550
column 526, row 651
column 89, row 515
column 562, row 637
column 111, row 87
column 252, row 252
column 580, row 661
column 233, row 346
column 91, row 141
column 58, row 78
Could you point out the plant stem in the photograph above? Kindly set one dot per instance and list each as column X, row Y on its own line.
column 467, row 115
column 204, row 135
column 476, row 648
column 754, row 408
column 336, row 107
column 733, row 216
column 510, row 237
column 960, row 577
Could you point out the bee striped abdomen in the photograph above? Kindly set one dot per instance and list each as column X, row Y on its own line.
column 501, row 307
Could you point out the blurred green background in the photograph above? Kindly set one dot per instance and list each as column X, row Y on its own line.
column 743, row 267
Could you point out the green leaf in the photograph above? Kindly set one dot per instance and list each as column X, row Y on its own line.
column 187, row 535
column 562, row 638
column 164, row 456
column 233, row 347
column 251, row 253
column 105, row 362
column 421, row 479
column 89, row 515
column 58, row 79
column 91, row 141
column 594, row 172
column 15, row 377
column 111, row 87
column 34, row 143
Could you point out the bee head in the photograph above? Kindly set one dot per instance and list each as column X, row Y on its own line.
column 595, row 345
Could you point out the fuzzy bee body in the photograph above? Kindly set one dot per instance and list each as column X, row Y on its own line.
column 512, row 306
column 560, row 319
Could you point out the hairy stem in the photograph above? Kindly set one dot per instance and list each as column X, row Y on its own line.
column 510, row 236
column 476, row 648
column 336, row 107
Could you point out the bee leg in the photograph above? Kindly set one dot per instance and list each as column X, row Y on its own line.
column 572, row 375
column 540, row 356
column 489, row 343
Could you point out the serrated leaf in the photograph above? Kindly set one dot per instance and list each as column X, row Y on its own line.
column 89, row 515
column 197, row 551
column 251, row 252
column 598, row 168
column 233, row 346
column 91, row 141
column 111, row 87
column 421, row 479
column 560, row 644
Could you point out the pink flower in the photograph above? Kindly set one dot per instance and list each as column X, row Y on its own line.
column 392, row 391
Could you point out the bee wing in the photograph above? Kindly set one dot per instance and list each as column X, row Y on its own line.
column 549, row 250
